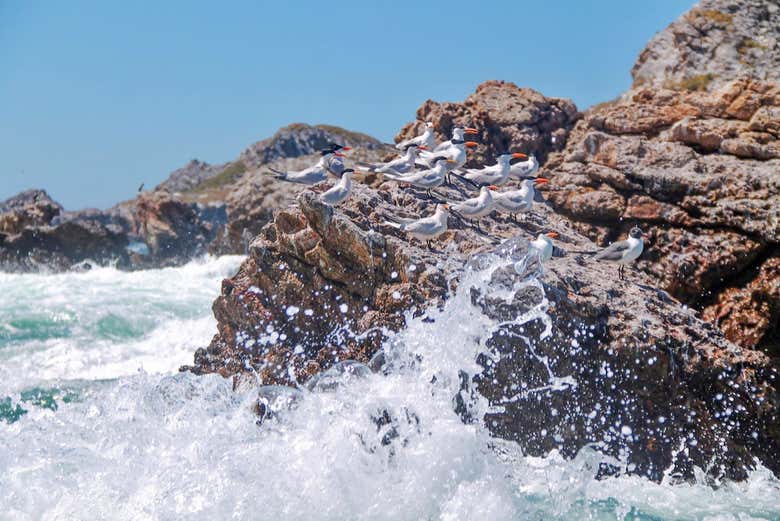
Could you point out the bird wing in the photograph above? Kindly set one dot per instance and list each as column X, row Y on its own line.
column 334, row 195
column 614, row 251
column 469, row 205
column 442, row 146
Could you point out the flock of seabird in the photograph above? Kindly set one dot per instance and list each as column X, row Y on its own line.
column 425, row 165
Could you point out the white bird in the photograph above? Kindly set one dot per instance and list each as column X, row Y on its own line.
column 458, row 134
column 623, row 252
column 456, row 152
column 426, row 228
column 519, row 201
column 539, row 251
column 525, row 168
column 476, row 207
column 497, row 174
column 427, row 179
column 339, row 192
column 400, row 165
column 426, row 139
column 310, row 176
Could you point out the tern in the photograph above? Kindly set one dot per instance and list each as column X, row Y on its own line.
column 540, row 250
column 497, row 174
column 456, row 151
column 476, row 207
column 623, row 252
column 519, row 201
column 335, row 164
column 426, row 228
column 426, row 139
column 310, row 176
column 427, row 179
column 339, row 192
column 401, row 165
column 523, row 169
column 458, row 134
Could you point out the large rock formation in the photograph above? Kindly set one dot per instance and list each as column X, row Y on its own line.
column 509, row 118
column 642, row 376
column 701, row 173
column 712, row 44
column 248, row 188
column 156, row 229
column 199, row 208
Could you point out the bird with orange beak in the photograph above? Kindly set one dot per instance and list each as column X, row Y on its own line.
column 539, row 251
column 335, row 163
column 497, row 174
column 521, row 200
column 477, row 207
column 458, row 134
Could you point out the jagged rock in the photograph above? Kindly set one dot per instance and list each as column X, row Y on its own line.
column 509, row 118
column 642, row 375
column 190, row 176
column 29, row 208
column 750, row 313
column 300, row 139
column 697, row 170
column 715, row 42
column 38, row 235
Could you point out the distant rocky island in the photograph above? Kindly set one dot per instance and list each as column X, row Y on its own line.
column 691, row 153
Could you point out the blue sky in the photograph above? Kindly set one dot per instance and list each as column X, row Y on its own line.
column 96, row 97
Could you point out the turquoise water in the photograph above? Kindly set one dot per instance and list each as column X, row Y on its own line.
column 97, row 423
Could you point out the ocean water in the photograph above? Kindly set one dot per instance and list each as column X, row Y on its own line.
column 97, row 423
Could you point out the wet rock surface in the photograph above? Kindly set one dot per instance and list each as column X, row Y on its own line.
column 618, row 363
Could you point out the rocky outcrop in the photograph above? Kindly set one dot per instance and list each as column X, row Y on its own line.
column 199, row 208
column 622, row 364
column 300, row 139
column 190, row 176
column 509, row 118
column 712, row 44
column 156, row 229
column 700, row 172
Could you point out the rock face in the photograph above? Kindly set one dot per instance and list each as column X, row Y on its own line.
column 701, row 173
column 623, row 364
column 300, row 139
column 190, row 176
column 199, row 208
column 247, row 187
column 715, row 42
column 509, row 119
column 36, row 234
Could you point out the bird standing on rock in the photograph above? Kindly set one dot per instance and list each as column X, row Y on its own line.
column 539, row 251
column 623, row 252
column 458, row 134
column 497, row 174
column 401, row 165
column 339, row 192
column 477, row 207
column 310, row 176
column 427, row 179
column 426, row 228
column 426, row 139
column 519, row 201
column 524, row 169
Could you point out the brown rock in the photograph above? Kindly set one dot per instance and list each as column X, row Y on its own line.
column 509, row 118
column 698, row 170
column 323, row 285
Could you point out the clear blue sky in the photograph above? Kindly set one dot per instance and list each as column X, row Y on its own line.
column 96, row 97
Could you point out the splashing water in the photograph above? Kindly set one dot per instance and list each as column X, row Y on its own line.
column 99, row 439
